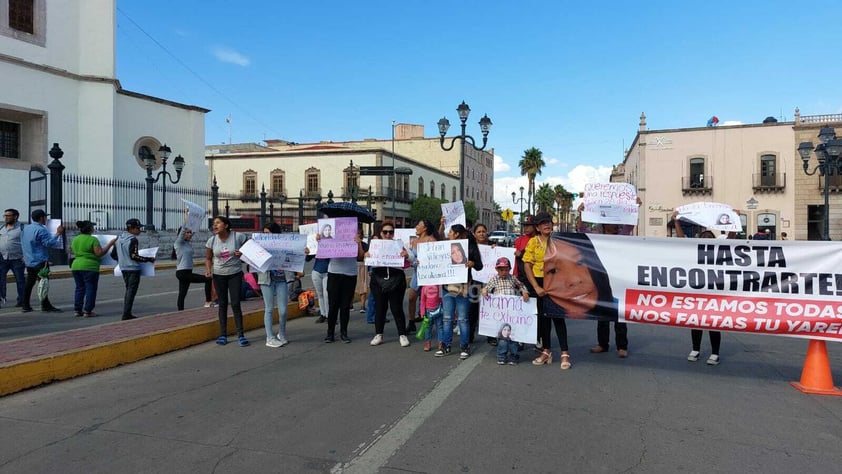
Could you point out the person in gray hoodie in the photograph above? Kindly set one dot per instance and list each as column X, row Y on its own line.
column 129, row 260
column 184, row 268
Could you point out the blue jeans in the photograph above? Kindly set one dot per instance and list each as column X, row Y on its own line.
column 458, row 306
column 87, row 282
column 506, row 350
column 16, row 266
column 275, row 294
column 369, row 307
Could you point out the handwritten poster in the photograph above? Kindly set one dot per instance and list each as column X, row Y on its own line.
column 385, row 253
column 489, row 258
column 407, row 236
column 437, row 262
column 497, row 311
column 286, row 251
column 310, row 230
column 336, row 237
column 255, row 256
column 610, row 203
column 196, row 216
column 454, row 213
column 52, row 227
column 711, row 215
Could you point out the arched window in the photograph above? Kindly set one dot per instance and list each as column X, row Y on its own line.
column 278, row 187
column 442, row 191
column 420, row 186
column 432, row 188
column 768, row 170
column 312, row 178
column 249, row 183
column 697, row 172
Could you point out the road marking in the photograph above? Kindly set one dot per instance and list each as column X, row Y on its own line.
column 387, row 443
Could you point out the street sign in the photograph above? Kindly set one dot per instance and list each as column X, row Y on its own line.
column 507, row 215
column 376, row 170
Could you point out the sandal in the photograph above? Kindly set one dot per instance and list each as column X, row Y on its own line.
column 565, row 362
column 242, row 341
column 546, row 357
column 222, row 340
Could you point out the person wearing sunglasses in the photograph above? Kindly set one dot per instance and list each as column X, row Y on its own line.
column 388, row 285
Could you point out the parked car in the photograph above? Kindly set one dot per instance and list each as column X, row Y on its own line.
column 502, row 238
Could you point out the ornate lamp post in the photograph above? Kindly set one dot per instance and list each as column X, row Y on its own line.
column 521, row 201
column 485, row 126
column 828, row 155
column 178, row 164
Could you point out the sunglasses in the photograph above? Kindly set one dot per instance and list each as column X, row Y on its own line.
column 389, row 232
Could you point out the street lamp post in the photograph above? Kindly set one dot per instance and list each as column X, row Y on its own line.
column 828, row 155
column 178, row 164
column 485, row 126
column 521, row 201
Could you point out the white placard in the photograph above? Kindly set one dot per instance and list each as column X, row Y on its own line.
column 52, row 228
column 286, row 250
column 196, row 216
column 146, row 268
column 435, row 262
column 407, row 236
column 454, row 213
column 489, row 259
column 103, row 241
column 255, row 256
column 385, row 253
column 711, row 215
column 610, row 203
column 310, row 230
column 496, row 311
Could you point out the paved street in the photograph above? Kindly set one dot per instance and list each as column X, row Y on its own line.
column 315, row 407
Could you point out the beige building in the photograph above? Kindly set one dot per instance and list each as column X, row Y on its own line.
column 310, row 173
column 410, row 142
column 750, row 167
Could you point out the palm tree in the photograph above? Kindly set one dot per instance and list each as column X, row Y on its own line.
column 563, row 200
column 531, row 164
column 544, row 198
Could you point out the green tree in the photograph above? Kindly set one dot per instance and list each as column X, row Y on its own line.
column 427, row 207
column 544, row 198
column 563, row 199
column 471, row 212
column 531, row 164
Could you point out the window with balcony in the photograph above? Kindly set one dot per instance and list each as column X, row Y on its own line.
column 312, row 178
column 9, row 140
column 351, row 180
column 249, row 183
column 278, row 179
column 697, row 172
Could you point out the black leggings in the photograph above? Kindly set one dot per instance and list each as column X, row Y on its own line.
column 340, row 294
column 185, row 278
column 392, row 299
column 544, row 326
column 715, row 340
column 229, row 286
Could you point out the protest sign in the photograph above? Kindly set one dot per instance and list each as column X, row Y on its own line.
column 196, row 216
column 385, row 253
column 436, row 262
column 495, row 311
column 146, row 268
column 310, row 230
column 52, row 227
column 103, row 241
column 454, row 213
column 786, row 288
column 711, row 215
column 610, row 203
column 336, row 237
column 490, row 254
column 286, row 251
column 255, row 256
column 407, row 236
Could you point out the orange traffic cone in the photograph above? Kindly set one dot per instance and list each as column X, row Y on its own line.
column 815, row 376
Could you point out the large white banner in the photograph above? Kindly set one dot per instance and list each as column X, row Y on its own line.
column 442, row 262
column 789, row 288
column 286, row 251
column 498, row 312
column 490, row 254
column 610, row 203
column 385, row 253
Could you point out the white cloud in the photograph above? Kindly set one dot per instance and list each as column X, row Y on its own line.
column 574, row 181
column 553, row 161
column 500, row 166
column 228, row 55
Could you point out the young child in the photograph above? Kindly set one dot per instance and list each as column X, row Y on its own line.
column 505, row 284
column 431, row 308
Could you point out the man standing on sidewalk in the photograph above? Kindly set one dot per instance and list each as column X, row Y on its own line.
column 11, row 255
column 36, row 240
column 129, row 260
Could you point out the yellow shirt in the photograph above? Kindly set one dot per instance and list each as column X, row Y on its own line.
column 534, row 254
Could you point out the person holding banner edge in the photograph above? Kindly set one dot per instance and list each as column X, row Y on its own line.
column 696, row 334
column 533, row 259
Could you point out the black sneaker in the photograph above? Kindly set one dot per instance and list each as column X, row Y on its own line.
column 320, row 319
column 466, row 352
column 26, row 309
column 443, row 351
column 131, row 316
column 344, row 338
column 329, row 339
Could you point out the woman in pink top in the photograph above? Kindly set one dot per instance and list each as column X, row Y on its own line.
column 430, row 302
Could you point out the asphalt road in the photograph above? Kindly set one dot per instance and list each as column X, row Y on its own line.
column 315, row 407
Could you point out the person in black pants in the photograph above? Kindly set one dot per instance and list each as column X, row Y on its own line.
column 341, row 281
column 184, row 268
column 389, row 293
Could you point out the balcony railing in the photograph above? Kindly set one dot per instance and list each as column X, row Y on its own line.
column 312, row 192
column 768, row 182
column 697, row 184
column 834, row 183
column 398, row 194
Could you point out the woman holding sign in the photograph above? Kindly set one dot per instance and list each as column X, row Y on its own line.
column 183, row 249
column 425, row 232
column 222, row 261
column 455, row 301
column 273, row 287
column 388, row 286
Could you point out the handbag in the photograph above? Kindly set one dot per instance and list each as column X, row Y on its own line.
column 389, row 282
column 458, row 289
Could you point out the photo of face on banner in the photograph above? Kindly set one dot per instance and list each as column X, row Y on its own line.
column 457, row 254
column 575, row 280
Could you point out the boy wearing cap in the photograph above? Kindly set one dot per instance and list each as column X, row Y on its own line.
column 129, row 260
column 505, row 284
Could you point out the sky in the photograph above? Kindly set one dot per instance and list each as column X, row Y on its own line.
column 569, row 78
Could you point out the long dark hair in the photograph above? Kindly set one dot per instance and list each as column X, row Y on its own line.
column 433, row 231
column 273, row 227
column 225, row 221
column 606, row 307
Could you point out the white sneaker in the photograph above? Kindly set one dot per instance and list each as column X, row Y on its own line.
column 273, row 343
column 713, row 359
column 404, row 341
column 693, row 356
column 456, row 330
column 283, row 341
column 378, row 339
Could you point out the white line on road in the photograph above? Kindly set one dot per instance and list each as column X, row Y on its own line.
column 387, row 443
